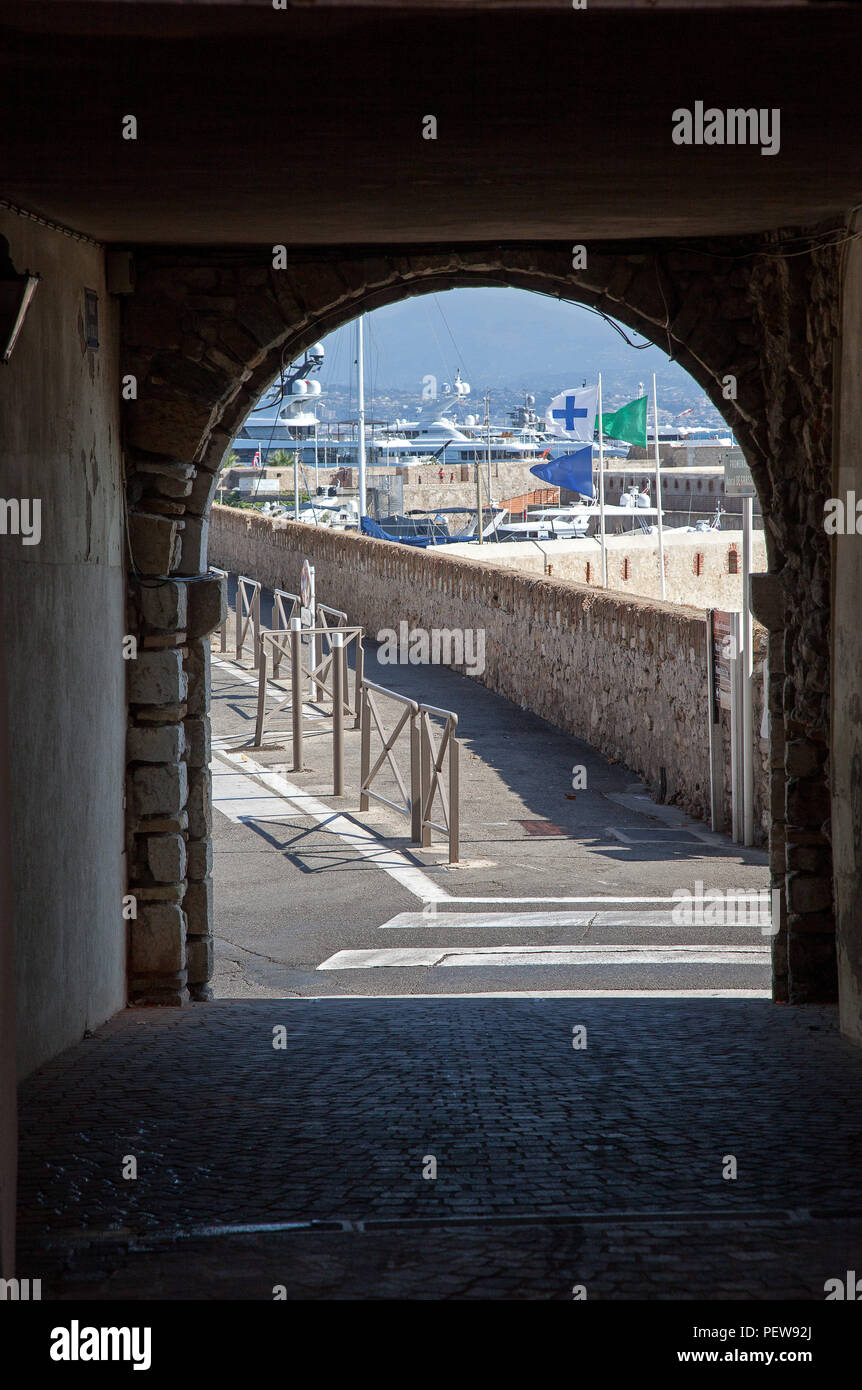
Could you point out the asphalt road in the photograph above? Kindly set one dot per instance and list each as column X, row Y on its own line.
column 314, row 898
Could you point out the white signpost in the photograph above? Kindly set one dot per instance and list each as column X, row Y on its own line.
column 306, row 613
column 738, row 482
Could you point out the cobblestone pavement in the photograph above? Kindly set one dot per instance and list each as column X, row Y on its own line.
column 555, row 1166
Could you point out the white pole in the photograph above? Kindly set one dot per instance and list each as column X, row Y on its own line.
column 658, row 488
column 296, row 485
column 316, row 461
column 602, row 488
column 747, row 663
column 479, row 471
column 361, row 360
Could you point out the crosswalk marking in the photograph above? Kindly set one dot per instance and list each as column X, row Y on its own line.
column 412, row 921
column 411, row 957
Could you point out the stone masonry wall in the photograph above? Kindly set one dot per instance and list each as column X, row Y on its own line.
column 168, row 797
column 754, row 320
column 627, row 675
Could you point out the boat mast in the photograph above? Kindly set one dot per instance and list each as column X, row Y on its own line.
column 602, row 489
column 361, row 389
column 658, row 490
column 479, row 527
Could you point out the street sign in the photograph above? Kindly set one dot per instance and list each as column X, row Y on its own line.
column 306, row 616
column 738, row 481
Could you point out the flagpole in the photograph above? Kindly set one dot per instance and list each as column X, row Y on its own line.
column 658, row 488
column 602, row 488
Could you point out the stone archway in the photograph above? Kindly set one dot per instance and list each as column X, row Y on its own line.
column 203, row 336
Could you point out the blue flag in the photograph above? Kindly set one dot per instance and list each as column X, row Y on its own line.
column 572, row 471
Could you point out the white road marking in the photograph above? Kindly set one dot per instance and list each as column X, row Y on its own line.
column 540, row 995
column 242, row 799
column 409, row 956
column 412, row 921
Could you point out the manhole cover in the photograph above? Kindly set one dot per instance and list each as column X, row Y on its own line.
column 542, row 827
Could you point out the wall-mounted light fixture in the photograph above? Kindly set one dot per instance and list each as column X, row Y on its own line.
column 16, row 292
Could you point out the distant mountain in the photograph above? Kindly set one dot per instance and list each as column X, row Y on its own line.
column 501, row 338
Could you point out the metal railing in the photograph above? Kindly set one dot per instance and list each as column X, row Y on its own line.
column 274, row 647
column 411, row 803
column 285, row 607
column 247, row 615
column 434, row 766
column 437, row 781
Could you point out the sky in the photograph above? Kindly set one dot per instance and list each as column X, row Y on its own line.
column 498, row 337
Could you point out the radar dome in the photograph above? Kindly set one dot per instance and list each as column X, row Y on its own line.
column 299, row 388
column 316, row 350
column 313, row 388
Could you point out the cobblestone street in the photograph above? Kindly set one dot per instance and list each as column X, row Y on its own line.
column 302, row 1166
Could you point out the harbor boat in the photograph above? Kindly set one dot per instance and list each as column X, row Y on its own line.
column 431, row 528
column 547, row 524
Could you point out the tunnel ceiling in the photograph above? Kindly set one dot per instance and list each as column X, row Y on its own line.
column 304, row 126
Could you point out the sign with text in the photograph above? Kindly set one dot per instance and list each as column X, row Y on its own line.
column 738, row 481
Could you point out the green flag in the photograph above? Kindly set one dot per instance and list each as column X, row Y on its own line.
column 628, row 423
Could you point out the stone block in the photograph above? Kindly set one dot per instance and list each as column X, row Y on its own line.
column 179, row 487
column 193, row 551
column 806, row 893
column 203, row 491
column 198, row 740
column 207, row 605
column 199, row 859
column 166, row 857
column 199, row 954
column 199, row 804
column 158, row 825
column 160, row 789
column 160, row 743
column 155, row 543
column 157, row 678
column 803, row 758
column 158, row 940
column 164, row 991
column 198, row 907
column 162, row 893
column 151, row 421
column 767, row 600
column 164, row 605
column 161, row 714
column 807, row 801
column 198, row 671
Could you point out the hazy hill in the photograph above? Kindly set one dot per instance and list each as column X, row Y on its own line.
column 499, row 337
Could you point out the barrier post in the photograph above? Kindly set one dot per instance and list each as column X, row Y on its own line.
column 416, row 808
column 426, row 788
column 454, row 795
column 261, row 697
column 296, row 690
column 338, row 663
column 255, row 624
column 357, row 683
column 364, row 747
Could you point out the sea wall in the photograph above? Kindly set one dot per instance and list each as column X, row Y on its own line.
column 628, row 675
